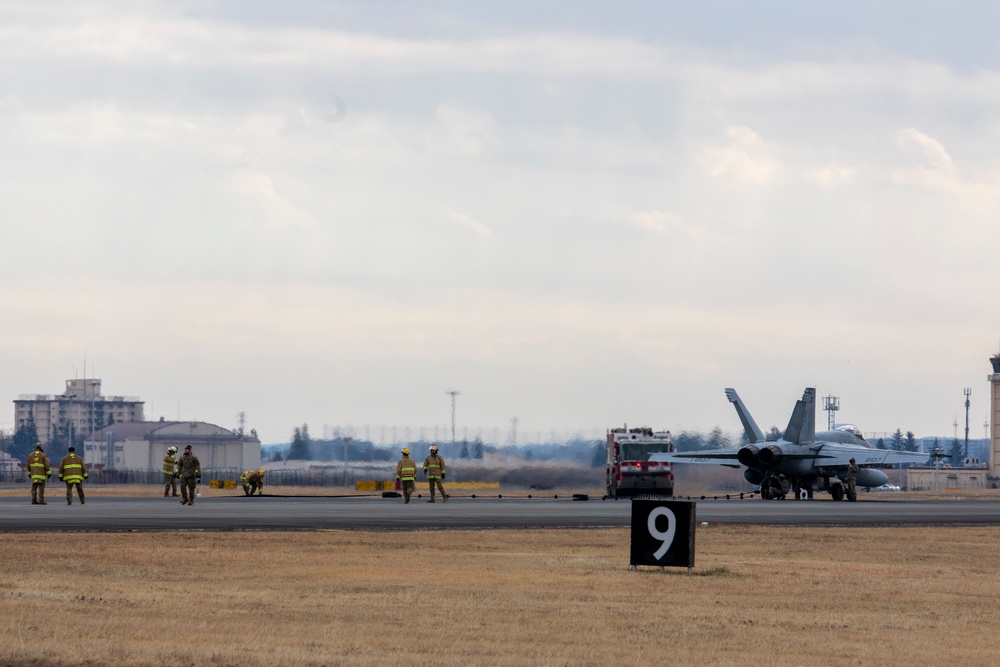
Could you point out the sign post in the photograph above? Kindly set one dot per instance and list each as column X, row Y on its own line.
column 663, row 533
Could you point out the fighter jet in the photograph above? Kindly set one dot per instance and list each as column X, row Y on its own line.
column 808, row 461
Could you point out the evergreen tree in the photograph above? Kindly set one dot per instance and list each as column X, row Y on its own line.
column 477, row 449
column 599, row 455
column 464, row 454
column 957, row 453
column 773, row 435
column 897, row 441
column 687, row 441
column 300, row 449
column 717, row 440
column 528, row 455
column 910, row 444
column 24, row 440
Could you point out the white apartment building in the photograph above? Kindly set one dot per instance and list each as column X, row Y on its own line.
column 82, row 408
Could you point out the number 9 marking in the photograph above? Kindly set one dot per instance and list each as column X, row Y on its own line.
column 667, row 537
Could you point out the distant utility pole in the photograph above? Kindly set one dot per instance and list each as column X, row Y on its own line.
column 453, row 394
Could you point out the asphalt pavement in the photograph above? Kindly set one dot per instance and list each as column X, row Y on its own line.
column 373, row 513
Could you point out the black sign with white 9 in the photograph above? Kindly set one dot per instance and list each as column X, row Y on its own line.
column 663, row 533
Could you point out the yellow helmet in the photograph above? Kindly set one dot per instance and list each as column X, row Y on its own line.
column 260, row 471
column 406, row 450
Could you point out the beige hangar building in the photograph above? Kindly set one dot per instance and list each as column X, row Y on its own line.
column 142, row 446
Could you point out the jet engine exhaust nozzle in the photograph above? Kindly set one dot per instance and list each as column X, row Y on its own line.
column 748, row 455
column 771, row 455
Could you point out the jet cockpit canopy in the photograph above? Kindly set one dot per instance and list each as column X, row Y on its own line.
column 852, row 429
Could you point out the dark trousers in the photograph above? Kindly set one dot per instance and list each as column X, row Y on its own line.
column 69, row 491
column 436, row 481
column 407, row 490
column 188, row 486
column 38, row 492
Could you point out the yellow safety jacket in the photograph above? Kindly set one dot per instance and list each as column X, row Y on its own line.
column 434, row 466
column 72, row 470
column 38, row 466
column 406, row 469
column 169, row 465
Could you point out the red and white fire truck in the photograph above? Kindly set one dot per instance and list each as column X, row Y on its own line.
column 629, row 470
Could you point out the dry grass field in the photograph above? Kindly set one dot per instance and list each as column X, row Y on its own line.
column 778, row 596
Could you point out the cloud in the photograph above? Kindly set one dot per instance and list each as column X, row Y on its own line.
column 271, row 208
column 745, row 159
column 469, row 133
column 933, row 167
column 469, row 223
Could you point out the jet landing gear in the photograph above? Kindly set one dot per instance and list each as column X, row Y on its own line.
column 837, row 491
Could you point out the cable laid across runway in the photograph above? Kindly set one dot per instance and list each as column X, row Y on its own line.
column 369, row 513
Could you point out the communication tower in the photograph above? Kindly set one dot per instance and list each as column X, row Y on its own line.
column 967, row 392
column 453, row 394
column 831, row 404
column 994, row 379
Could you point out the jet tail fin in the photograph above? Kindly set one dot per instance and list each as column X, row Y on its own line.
column 754, row 434
column 802, row 424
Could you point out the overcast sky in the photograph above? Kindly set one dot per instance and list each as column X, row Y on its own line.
column 577, row 213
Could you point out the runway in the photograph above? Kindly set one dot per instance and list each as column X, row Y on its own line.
column 369, row 513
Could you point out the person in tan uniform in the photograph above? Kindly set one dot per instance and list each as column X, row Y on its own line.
column 253, row 480
column 434, row 469
column 170, row 472
column 852, row 481
column 189, row 470
column 73, row 471
column 39, row 471
column 406, row 473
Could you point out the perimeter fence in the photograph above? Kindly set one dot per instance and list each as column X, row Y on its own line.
column 541, row 476
column 292, row 477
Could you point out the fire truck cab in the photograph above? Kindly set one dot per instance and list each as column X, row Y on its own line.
column 629, row 470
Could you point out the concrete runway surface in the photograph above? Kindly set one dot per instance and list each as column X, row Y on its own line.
column 372, row 513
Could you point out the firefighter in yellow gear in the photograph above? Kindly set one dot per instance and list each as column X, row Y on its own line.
column 434, row 469
column 170, row 472
column 253, row 480
column 73, row 471
column 39, row 471
column 406, row 473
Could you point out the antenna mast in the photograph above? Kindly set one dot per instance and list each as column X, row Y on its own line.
column 453, row 394
column 967, row 392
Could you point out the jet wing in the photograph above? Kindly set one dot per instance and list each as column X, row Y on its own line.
column 717, row 456
column 833, row 455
